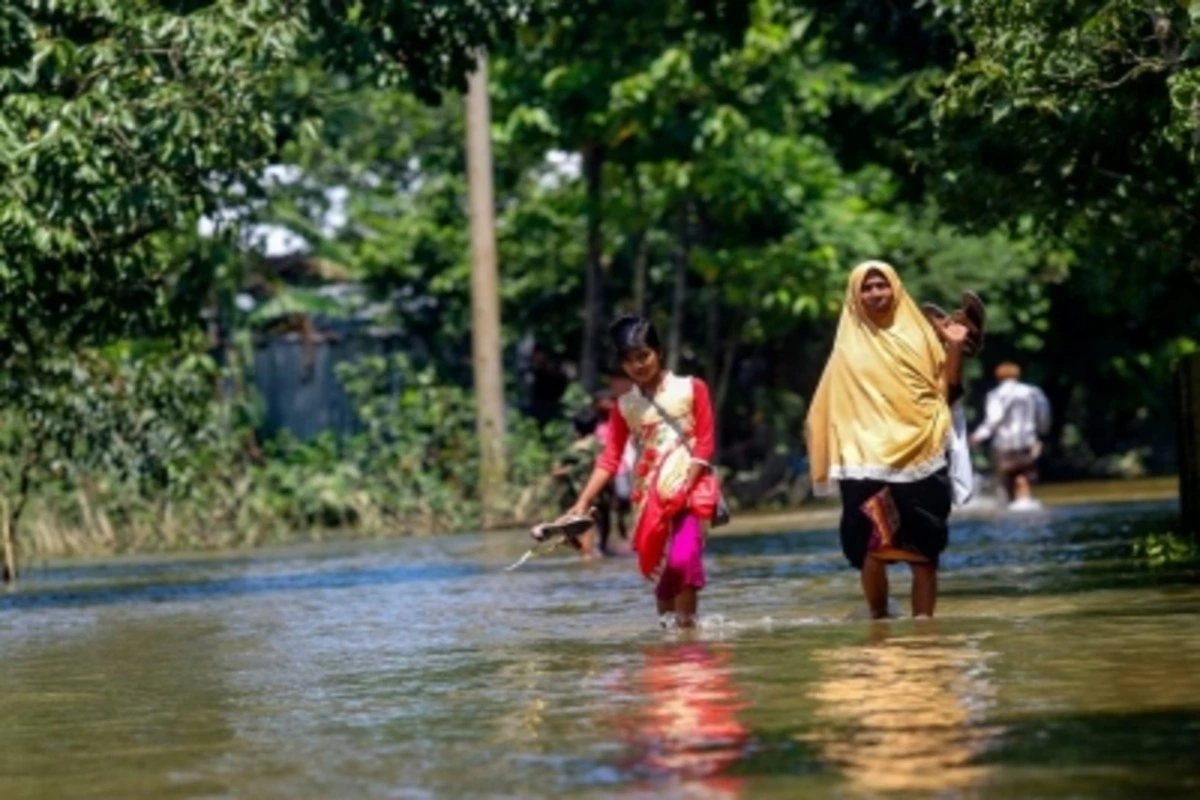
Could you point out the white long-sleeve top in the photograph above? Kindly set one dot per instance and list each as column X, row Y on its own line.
column 1016, row 415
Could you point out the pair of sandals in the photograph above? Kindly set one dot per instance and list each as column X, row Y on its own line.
column 549, row 536
column 972, row 315
column 565, row 530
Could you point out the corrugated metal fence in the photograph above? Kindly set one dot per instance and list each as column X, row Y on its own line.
column 298, row 383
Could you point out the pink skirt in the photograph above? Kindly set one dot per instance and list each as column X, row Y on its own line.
column 685, row 559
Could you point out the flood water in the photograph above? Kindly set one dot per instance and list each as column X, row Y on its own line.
column 1059, row 666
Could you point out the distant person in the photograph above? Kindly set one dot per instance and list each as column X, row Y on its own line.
column 547, row 384
column 622, row 483
column 603, row 403
column 1017, row 416
column 675, row 491
column 572, row 472
column 878, row 428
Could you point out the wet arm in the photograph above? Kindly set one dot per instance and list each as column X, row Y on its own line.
column 954, row 337
column 954, row 372
column 993, row 415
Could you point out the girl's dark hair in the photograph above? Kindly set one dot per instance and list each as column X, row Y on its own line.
column 631, row 332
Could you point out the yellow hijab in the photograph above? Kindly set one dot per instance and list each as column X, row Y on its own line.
column 880, row 410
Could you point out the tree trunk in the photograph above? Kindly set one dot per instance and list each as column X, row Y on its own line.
column 641, row 250
column 1187, row 379
column 713, row 359
column 679, row 295
column 712, row 345
column 485, row 297
column 1060, row 349
column 720, row 392
column 593, row 321
column 641, row 258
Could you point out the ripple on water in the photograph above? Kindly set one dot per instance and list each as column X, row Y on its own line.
column 1058, row 666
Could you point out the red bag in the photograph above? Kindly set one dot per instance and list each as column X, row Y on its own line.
column 705, row 497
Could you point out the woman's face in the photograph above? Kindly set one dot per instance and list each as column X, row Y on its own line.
column 877, row 296
column 642, row 365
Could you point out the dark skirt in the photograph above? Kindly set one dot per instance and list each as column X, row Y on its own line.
column 924, row 508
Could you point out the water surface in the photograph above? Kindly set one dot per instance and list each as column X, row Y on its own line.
column 1060, row 666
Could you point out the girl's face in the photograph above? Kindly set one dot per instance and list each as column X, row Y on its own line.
column 642, row 365
column 877, row 296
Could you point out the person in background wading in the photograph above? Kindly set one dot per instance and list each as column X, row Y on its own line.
column 572, row 471
column 1017, row 416
column 880, row 429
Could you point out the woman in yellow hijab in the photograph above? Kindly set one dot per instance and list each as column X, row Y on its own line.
column 879, row 427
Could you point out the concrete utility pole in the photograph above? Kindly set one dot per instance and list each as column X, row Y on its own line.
column 485, row 295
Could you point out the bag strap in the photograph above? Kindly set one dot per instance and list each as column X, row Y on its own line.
column 669, row 418
column 671, row 421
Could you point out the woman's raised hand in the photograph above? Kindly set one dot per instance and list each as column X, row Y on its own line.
column 952, row 333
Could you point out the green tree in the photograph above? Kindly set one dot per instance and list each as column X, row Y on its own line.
column 121, row 124
column 1080, row 124
column 555, row 85
column 125, row 122
column 784, row 202
column 134, row 413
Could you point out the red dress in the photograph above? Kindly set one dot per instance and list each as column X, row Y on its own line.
column 663, row 462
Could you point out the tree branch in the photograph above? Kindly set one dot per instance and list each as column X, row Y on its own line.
column 1142, row 67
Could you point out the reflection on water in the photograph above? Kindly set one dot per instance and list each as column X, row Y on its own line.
column 905, row 712
column 1061, row 667
column 685, row 728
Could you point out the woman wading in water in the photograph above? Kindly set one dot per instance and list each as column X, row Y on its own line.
column 880, row 427
column 674, row 492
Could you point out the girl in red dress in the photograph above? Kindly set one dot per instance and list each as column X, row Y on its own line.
column 675, row 492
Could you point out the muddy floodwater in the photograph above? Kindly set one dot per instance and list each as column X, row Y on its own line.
column 1064, row 664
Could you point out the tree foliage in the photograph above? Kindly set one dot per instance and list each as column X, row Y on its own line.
column 122, row 123
column 718, row 163
column 747, row 140
column 1079, row 122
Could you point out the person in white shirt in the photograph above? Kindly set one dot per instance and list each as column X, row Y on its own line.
column 1017, row 416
